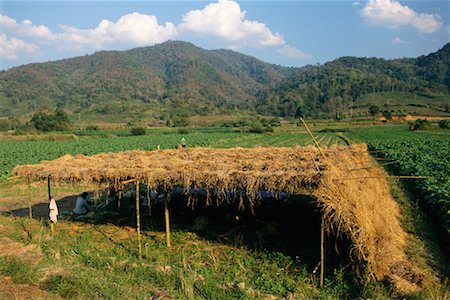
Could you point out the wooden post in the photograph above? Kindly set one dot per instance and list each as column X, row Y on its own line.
column 30, row 209
column 120, row 195
column 52, row 225
column 166, row 217
column 149, row 203
column 107, row 194
column 49, row 189
column 322, row 251
column 138, row 220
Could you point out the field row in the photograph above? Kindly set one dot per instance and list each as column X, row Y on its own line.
column 13, row 153
column 419, row 154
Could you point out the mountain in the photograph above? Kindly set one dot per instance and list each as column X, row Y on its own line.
column 172, row 74
column 342, row 83
column 179, row 78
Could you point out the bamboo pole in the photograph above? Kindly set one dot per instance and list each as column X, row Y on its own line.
column 313, row 138
column 166, row 217
column 30, row 209
column 149, row 202
column 322, row 252
column 107, row 194
column 119, row 198
column 387, row 177
column 52, row 225
column 138, row 220
column 49, row 188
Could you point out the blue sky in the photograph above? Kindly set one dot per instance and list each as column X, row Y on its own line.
column 291, row 33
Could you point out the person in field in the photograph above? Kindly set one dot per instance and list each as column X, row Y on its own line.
column 82, row 206
column 183, row 142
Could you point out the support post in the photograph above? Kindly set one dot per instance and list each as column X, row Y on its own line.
column 313, row 138
column 49, row 189
column 322, row 252
column 30, row 209
column 119, row 200
column 138, row 220
column 166, row 217
column 52, row 225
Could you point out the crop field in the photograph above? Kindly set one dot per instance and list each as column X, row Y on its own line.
column 425, row 153
column 197, row 267
column 13, row 153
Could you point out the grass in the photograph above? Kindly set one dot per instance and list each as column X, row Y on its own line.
column 100, row 262
column 83, row 260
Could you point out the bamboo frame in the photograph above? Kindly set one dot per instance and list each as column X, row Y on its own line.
column 322, row 252
column 167, row 219
column 30, row 208
column 52, row 225
column 138, row 221
column 378, row 177
column 313, row 138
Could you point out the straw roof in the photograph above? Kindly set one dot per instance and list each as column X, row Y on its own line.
column 352, row 191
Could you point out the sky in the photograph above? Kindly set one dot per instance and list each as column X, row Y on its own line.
column 289, row 33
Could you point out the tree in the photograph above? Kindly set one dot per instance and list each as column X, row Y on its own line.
column 387, row 114
column 374, row 110
column 44, row 122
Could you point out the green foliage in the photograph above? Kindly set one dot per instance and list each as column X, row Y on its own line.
column 183, row 131
column 180, row 76
column 420, row 124
column 91, row 128
column 138, row 131
column 374, row 110
column 339, row 85
column 58, row 121
column 420, row 154
column 180, row 121
column 445, row 124
column 260, row 128
column 388, row 115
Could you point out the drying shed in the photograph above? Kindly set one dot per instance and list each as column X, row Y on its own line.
column 349, row 187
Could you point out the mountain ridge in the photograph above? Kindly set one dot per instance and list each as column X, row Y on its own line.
column 180, row 76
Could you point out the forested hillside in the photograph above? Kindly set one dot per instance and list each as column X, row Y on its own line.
column 172, row 74
column 338, row 85
column 180, row 76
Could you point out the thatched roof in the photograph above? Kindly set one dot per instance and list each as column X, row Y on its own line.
column 350, row 188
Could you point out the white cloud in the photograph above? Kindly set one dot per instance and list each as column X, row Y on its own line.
column 356, row 3
column 10, row 48
column 25, row 28
column 222, row 21
column 392, row 14
column 398, row 40
column 293, row 52
column 131, row 30
column 226, row 20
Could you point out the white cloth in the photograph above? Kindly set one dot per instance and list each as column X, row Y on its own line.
column 53, row 211
column 82, row 206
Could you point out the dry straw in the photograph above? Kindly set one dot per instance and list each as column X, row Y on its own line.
column 361, row 209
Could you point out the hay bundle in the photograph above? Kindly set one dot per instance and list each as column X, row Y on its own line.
column 351, row 190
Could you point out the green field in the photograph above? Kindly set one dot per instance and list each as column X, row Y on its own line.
column 100, row 261
column 13, row 153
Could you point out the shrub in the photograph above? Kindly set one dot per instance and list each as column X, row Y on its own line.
column 420, row 124
column 259, row 128
column 58, row 121
column 138, row 131
column 445, row 124
column 91, row 128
